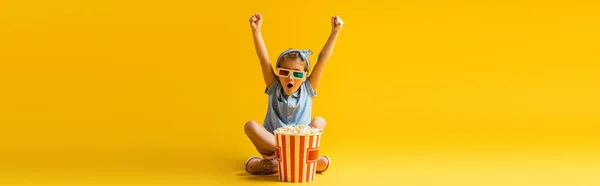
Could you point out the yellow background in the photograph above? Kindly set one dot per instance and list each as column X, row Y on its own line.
column 416, row 93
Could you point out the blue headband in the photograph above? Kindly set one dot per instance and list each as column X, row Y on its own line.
column 303, row 54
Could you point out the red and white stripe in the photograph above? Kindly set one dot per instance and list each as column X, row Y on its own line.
column 298, row 157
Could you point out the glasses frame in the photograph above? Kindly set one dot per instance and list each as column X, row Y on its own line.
column 290, row 74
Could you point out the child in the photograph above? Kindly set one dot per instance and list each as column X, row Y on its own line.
column 290, row 94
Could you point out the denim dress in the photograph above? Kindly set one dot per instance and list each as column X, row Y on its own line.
column 288, row 110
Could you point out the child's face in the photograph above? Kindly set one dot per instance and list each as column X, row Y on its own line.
column 291, row 85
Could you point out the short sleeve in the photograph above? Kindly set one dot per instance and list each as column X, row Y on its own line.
column 273, row 88
column 309, row 89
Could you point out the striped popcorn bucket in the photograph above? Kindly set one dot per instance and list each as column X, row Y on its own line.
column 297, row 156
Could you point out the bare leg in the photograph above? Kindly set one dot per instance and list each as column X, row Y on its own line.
column 262, row 139
column 319, row 122
column 264, row 142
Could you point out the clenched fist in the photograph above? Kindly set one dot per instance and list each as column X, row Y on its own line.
column 336, row 23
column 256, row 21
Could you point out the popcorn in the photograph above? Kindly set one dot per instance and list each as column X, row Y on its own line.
column 299, row 130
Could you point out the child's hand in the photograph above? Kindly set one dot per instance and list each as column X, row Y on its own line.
column 336, row 23
column 256, row 21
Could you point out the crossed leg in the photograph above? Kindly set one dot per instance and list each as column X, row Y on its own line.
column 264, row 142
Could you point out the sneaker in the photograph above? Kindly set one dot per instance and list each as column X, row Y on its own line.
column 266, row 166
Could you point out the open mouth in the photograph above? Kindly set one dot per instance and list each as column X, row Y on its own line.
column 289, row 85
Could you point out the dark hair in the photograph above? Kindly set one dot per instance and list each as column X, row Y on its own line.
column 293, row 56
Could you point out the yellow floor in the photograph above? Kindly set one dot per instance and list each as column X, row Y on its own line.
column 350, row 166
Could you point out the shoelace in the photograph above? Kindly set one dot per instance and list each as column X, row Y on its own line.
column 269, row 166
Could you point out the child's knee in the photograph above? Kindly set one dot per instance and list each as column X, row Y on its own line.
column 250, row 126
column 318, row 122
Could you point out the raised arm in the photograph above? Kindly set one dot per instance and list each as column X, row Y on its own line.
column 261, row 49
column 315, row 76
